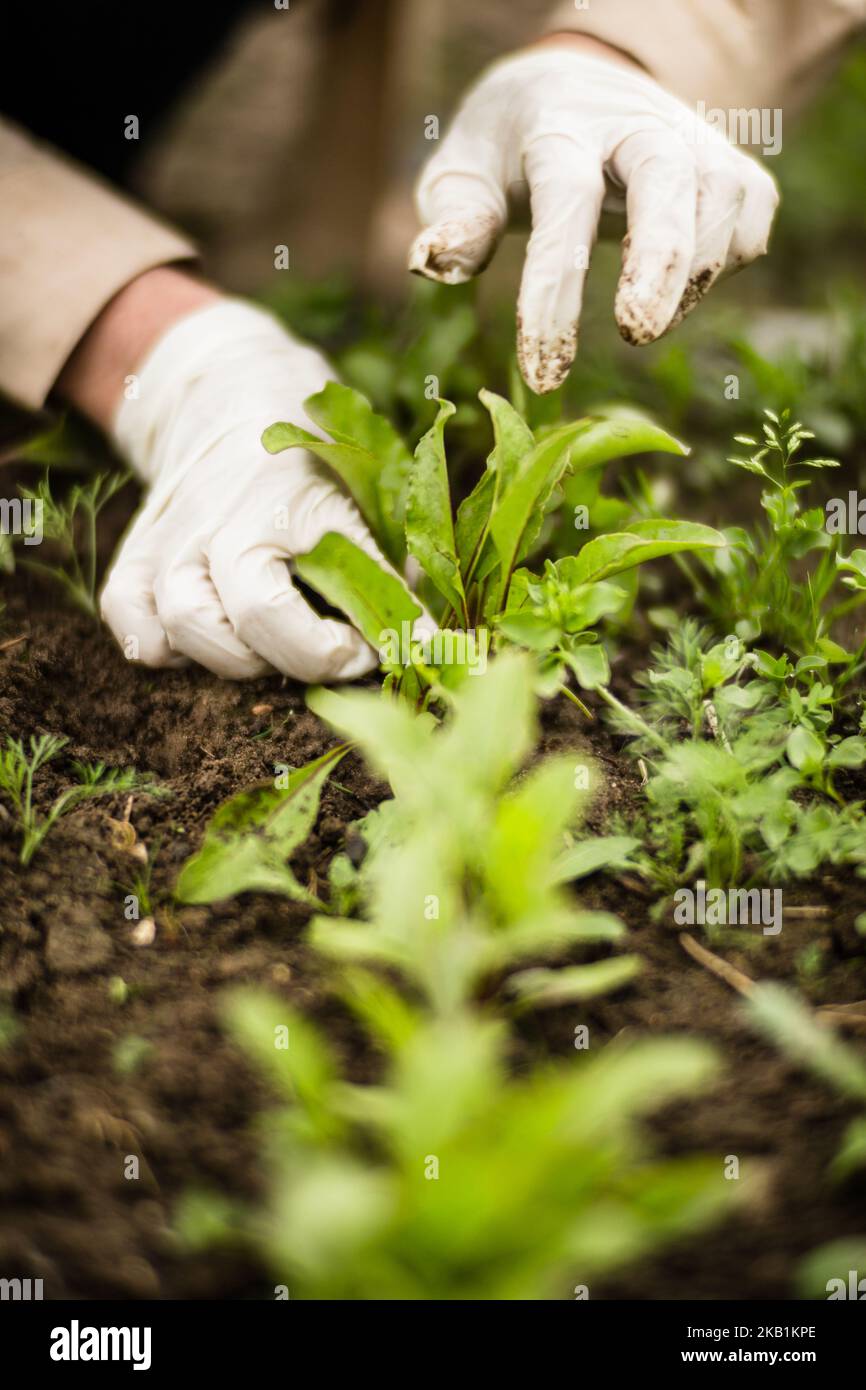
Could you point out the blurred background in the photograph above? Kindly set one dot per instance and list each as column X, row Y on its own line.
column 304, row 128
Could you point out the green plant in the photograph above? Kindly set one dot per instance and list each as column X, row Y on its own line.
column 738, row 745
column 71, row 524
column 753, row 586
column 463, row 873
column 554, row 614
column 18, row 767
column 449, row 1179
column 794, row 1028
column 471, row 557
column 250, row 838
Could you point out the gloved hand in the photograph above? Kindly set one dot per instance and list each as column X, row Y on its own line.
column 581, row 134
column 202, row 572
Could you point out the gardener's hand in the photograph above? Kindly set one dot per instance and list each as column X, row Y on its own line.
column 577, row 128
column 202, row 572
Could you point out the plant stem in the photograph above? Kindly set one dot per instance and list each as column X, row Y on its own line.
column 584, row 709
column 629, row 715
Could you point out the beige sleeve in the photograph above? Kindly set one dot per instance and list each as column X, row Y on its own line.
column 725, row 53
column 68, row 243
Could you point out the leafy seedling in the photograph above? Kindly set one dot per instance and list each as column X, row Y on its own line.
column 469, row 555
column 754, row 588
column 407, row 1189
column 250, row 838
column 72, row 525
column 462, row 876
column 18, row 767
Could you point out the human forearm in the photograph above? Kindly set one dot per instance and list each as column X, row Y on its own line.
column 114, row 346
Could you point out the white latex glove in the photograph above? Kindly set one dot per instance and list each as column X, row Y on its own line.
column 202, row 572
column 578, row 134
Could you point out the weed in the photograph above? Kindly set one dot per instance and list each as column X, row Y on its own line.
column 753, row 588
column 18, row 767
column 72, row 525
column 250, row 837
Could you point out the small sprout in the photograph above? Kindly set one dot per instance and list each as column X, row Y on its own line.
column 118, row 990
column 130, row 1054
column 71, row 524
column 18, row 768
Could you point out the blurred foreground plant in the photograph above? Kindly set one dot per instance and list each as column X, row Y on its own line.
column 450, row 1180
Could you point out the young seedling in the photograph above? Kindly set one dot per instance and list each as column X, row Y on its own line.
column 71, row 524
column 741, row 753
column 470, row 556
column 463, row 874
column 406, row 1189
column 18, row 767
column 250, row 838
column 753, row 587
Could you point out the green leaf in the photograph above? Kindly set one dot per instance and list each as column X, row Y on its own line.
column 529, row 629
column 622, row 433
column 826, row 1272
column 805, row 750
column 543, row 987
column 516, row 523
column 852, row 1155
column 429, row 522
column 851, row 752
column 589, row 664
column 251, row 836
column 526, row 832
column 513, row 441
column 786, row 1020
column 367, row 454
column 381, row 1008
column 282, row 1042
column 602, row 852
column 376, row 601
column 396, row 742
column 856, row 563
column 832, row 652
column 473, row 520
column 645, row 540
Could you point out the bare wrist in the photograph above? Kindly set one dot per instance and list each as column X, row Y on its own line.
column 118, row 340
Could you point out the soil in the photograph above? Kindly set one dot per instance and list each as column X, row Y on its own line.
column 87, row 1079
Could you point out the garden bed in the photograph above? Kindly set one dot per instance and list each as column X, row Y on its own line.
column 114, row 1049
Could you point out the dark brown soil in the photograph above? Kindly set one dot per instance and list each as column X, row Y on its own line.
column 87, row 1080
